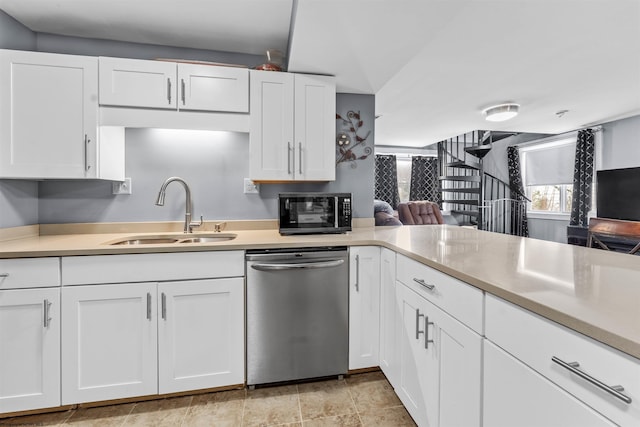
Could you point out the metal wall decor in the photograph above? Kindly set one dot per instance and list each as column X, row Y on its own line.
column 349, row 145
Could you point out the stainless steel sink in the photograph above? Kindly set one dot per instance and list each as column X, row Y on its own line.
column 209, row 239
column 145, row 241
column 174, row 238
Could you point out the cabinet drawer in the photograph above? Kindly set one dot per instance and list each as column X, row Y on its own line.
column 536, row 340
column 460, row 300
column 29, row 273
column 81, row 270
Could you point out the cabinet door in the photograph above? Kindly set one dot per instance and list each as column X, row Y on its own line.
column 210, row 88
column 271, row 143
column 137, row 83
column 389, row 319
column 516, row 395
column 109, row 342
column 364, row 306
column 200, row 334
column 315, row 128
column 48, row 115
column 418, row 380
column 459, row 358
column 29, row 349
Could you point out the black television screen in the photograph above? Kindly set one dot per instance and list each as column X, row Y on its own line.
column 618, row 194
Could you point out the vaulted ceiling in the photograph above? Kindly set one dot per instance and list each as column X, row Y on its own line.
column 433, row 65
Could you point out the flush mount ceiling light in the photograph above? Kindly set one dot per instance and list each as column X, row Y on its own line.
column 502, row 112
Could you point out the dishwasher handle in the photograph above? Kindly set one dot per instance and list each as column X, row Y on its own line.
column 297, row 266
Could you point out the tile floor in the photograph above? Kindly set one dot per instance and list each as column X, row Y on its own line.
column 359, row 400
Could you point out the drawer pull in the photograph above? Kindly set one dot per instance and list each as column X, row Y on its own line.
column 4, row 275
column 424, row 284
column 615, row 390
column 164, row 306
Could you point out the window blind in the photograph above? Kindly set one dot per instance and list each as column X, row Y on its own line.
column 549, row 165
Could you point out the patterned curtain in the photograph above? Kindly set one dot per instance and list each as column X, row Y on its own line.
column 517, row 190
column 387, row 179
column 582, row 178
column 424, row 180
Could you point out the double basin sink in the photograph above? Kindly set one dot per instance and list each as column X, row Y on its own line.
column 166, row 239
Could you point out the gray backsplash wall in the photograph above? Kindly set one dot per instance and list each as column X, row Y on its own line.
column 213, row 163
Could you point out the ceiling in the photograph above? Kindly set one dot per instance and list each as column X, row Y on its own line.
column 433, row 65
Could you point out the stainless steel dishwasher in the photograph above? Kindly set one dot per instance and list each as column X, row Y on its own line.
column 297, row 314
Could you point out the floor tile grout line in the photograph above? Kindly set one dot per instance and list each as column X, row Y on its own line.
column 184, row 416
column 354, row 403
column 129, row 413
column 299, row 404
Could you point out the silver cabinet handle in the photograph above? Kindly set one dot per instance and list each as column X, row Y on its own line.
column 424, row 284
column 148, row 306
column 47, row 307
column 169, row 90
column 357, row 273
column 288, row 158
column 87, row 166
column 300, row 157
column 3, row 275
column 164, row 306
column 183, row 91
column 418, row 316
column 615, row 390
column 297, row 266
column 426, row 332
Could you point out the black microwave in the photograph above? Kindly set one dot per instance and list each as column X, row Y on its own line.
column 314, row 213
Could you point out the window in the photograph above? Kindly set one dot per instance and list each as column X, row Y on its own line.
column 547, row 169
column 404, row 177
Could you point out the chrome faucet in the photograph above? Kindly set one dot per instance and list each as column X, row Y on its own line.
column 188, row 224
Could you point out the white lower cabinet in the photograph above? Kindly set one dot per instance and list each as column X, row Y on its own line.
column 109, row 342
column 141, row 334
column 29, row 349
column 440, row 364
column 364, row 306
column 516, row 395
column 200, row 334
column 389, row 316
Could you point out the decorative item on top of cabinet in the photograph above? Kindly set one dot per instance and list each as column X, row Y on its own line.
column 292, row 127
column 49, row 119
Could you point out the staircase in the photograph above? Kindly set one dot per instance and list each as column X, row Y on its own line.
column 464, row 185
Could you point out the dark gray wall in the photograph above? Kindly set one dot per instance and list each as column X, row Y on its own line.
column 98, row 47
column 14, row 35
column 213, row 163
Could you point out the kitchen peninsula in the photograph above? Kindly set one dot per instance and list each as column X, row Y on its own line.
column 589, row 291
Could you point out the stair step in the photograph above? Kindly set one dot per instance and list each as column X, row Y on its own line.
column 473, row 213
column 478, row 150
column 495, row 136
column 470, row 190
column 468, row 178
column 462, row 201
column 464, row 165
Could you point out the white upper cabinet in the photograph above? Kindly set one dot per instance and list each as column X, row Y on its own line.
column 49, row 118
column 169, row 85
column 137, row 83
column 292, row 127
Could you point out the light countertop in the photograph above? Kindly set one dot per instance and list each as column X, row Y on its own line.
column 592, row 291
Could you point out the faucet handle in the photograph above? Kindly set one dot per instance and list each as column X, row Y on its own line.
column 219, row 226
column 196, row 224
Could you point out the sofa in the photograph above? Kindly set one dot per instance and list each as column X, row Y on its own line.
column 408, row 213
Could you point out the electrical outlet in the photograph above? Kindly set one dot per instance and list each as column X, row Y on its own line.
column 121, row 187
column 250, row 187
